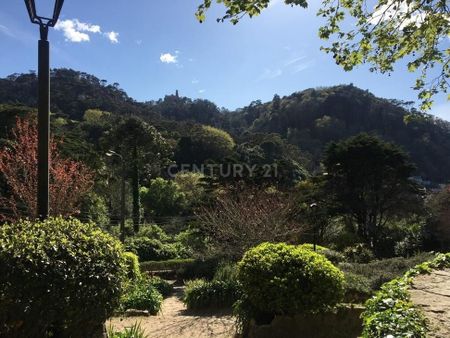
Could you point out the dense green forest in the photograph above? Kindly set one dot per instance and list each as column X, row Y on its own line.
column 308, row 119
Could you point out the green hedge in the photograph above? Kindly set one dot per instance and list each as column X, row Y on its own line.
column 59, row 275
column 287, row 279
column 185, row 269
column 200, row 294
column 171, row 264
column 391, row 313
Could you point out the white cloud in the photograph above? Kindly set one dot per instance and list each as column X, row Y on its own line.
column 395, row 9
column 71, row 33
column 5, row 30
column 294, row 61
column 201, row 91
column 302, row 66
column 77, row 31
column 195, row 81
column 168, row 58
column 113, row 37
column 268, row 74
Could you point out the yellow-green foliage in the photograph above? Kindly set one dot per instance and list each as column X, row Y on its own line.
column 132, row 265
column 57, row 271
column 218, row 137
column 95, row 116
column 286, row 279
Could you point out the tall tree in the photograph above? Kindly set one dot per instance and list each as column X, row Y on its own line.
column 145, row 151
column 383, row 32
column 69, row 180
column 369, row 180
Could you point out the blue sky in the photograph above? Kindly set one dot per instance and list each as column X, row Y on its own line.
column 151, row 48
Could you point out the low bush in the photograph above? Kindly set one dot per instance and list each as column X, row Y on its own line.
column 381, row 271
column 359, row 253
column 151, row 249
column 142, row 295
column 357, row 288
column 390, row 312
column 171, row 264
column 226, row 271
column 58, row 275
column 163, row 287
column 199, row 268
column 200, row 294
column 286, row 279
column 134, row 331
column 332, row 255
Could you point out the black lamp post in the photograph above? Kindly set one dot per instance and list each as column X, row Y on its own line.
column 44, row 102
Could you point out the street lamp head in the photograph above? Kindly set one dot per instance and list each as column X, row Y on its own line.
column 111, row 153
column 43, row 20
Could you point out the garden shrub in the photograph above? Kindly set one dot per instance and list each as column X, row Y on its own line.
column 163, row 286
column 226, row 271
column 171, row 264
column 200, row 294
column 391, row 313
column 149, row 249
column 332, row 255
column 132, row 265
column 286, row 279
column 142, row 295
column 359, row 253
column 199, row 268
column 381, row 271
column 357, row 288
column 58, row 276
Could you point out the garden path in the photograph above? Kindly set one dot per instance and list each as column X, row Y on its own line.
column 175, row 320
column 431, row 292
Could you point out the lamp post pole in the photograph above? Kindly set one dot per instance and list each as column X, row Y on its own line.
column 44, row 23
column 43, row 123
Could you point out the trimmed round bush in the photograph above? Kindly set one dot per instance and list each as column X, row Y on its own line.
column 288, row 280
column 58, row 278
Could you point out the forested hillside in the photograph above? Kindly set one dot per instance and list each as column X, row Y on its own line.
column 312, row 118
column 309, row 119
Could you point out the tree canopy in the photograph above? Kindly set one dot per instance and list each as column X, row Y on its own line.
column 370, row 182
column 382, row 33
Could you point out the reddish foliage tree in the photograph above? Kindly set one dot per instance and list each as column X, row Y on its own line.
column 69, row 180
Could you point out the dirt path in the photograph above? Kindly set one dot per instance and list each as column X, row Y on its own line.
column 175, row 321
column 432, row 293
